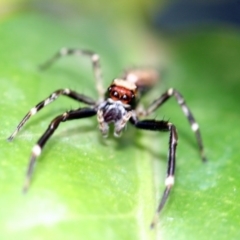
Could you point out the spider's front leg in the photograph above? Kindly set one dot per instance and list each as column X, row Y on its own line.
column 162, row 126
column 65, row 92
column 95, row 63
column 186, row 110
column 37, row 149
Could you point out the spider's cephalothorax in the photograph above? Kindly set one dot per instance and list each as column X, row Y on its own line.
column 118, row 105
column 123, row 91
column 119, row 101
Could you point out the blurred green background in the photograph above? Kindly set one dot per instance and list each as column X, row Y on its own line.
column 86, row 187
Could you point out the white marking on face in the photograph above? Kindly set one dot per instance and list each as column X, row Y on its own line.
column 36, row 150
column 125, row 84
column 169, row 181
column 195, row 127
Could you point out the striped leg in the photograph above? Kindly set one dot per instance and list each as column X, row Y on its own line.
column 67, row 92
column 95, row 62
column 162, row 126
column 37, row 149
column 180, row 100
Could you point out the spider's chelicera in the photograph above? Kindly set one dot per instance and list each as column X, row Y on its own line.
column 118, row 105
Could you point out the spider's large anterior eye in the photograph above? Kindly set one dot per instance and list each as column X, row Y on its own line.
column 125, row 97
column 132, row 95
column 115, row 94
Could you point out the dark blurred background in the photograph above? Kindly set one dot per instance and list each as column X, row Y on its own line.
column 185, row 15
column 168, row 16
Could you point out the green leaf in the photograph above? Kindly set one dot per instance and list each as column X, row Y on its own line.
column 204, row 204
column 83, row 185
column 86, row 187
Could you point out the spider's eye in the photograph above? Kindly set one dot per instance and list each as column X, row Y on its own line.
column 109, row 89
column 115, row 94
column 125, row 97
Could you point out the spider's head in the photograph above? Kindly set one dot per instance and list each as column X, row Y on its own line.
column 122, row 90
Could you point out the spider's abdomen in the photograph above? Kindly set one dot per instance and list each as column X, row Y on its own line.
column 145, row 79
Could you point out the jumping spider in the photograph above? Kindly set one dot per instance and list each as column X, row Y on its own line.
column 117, row 105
